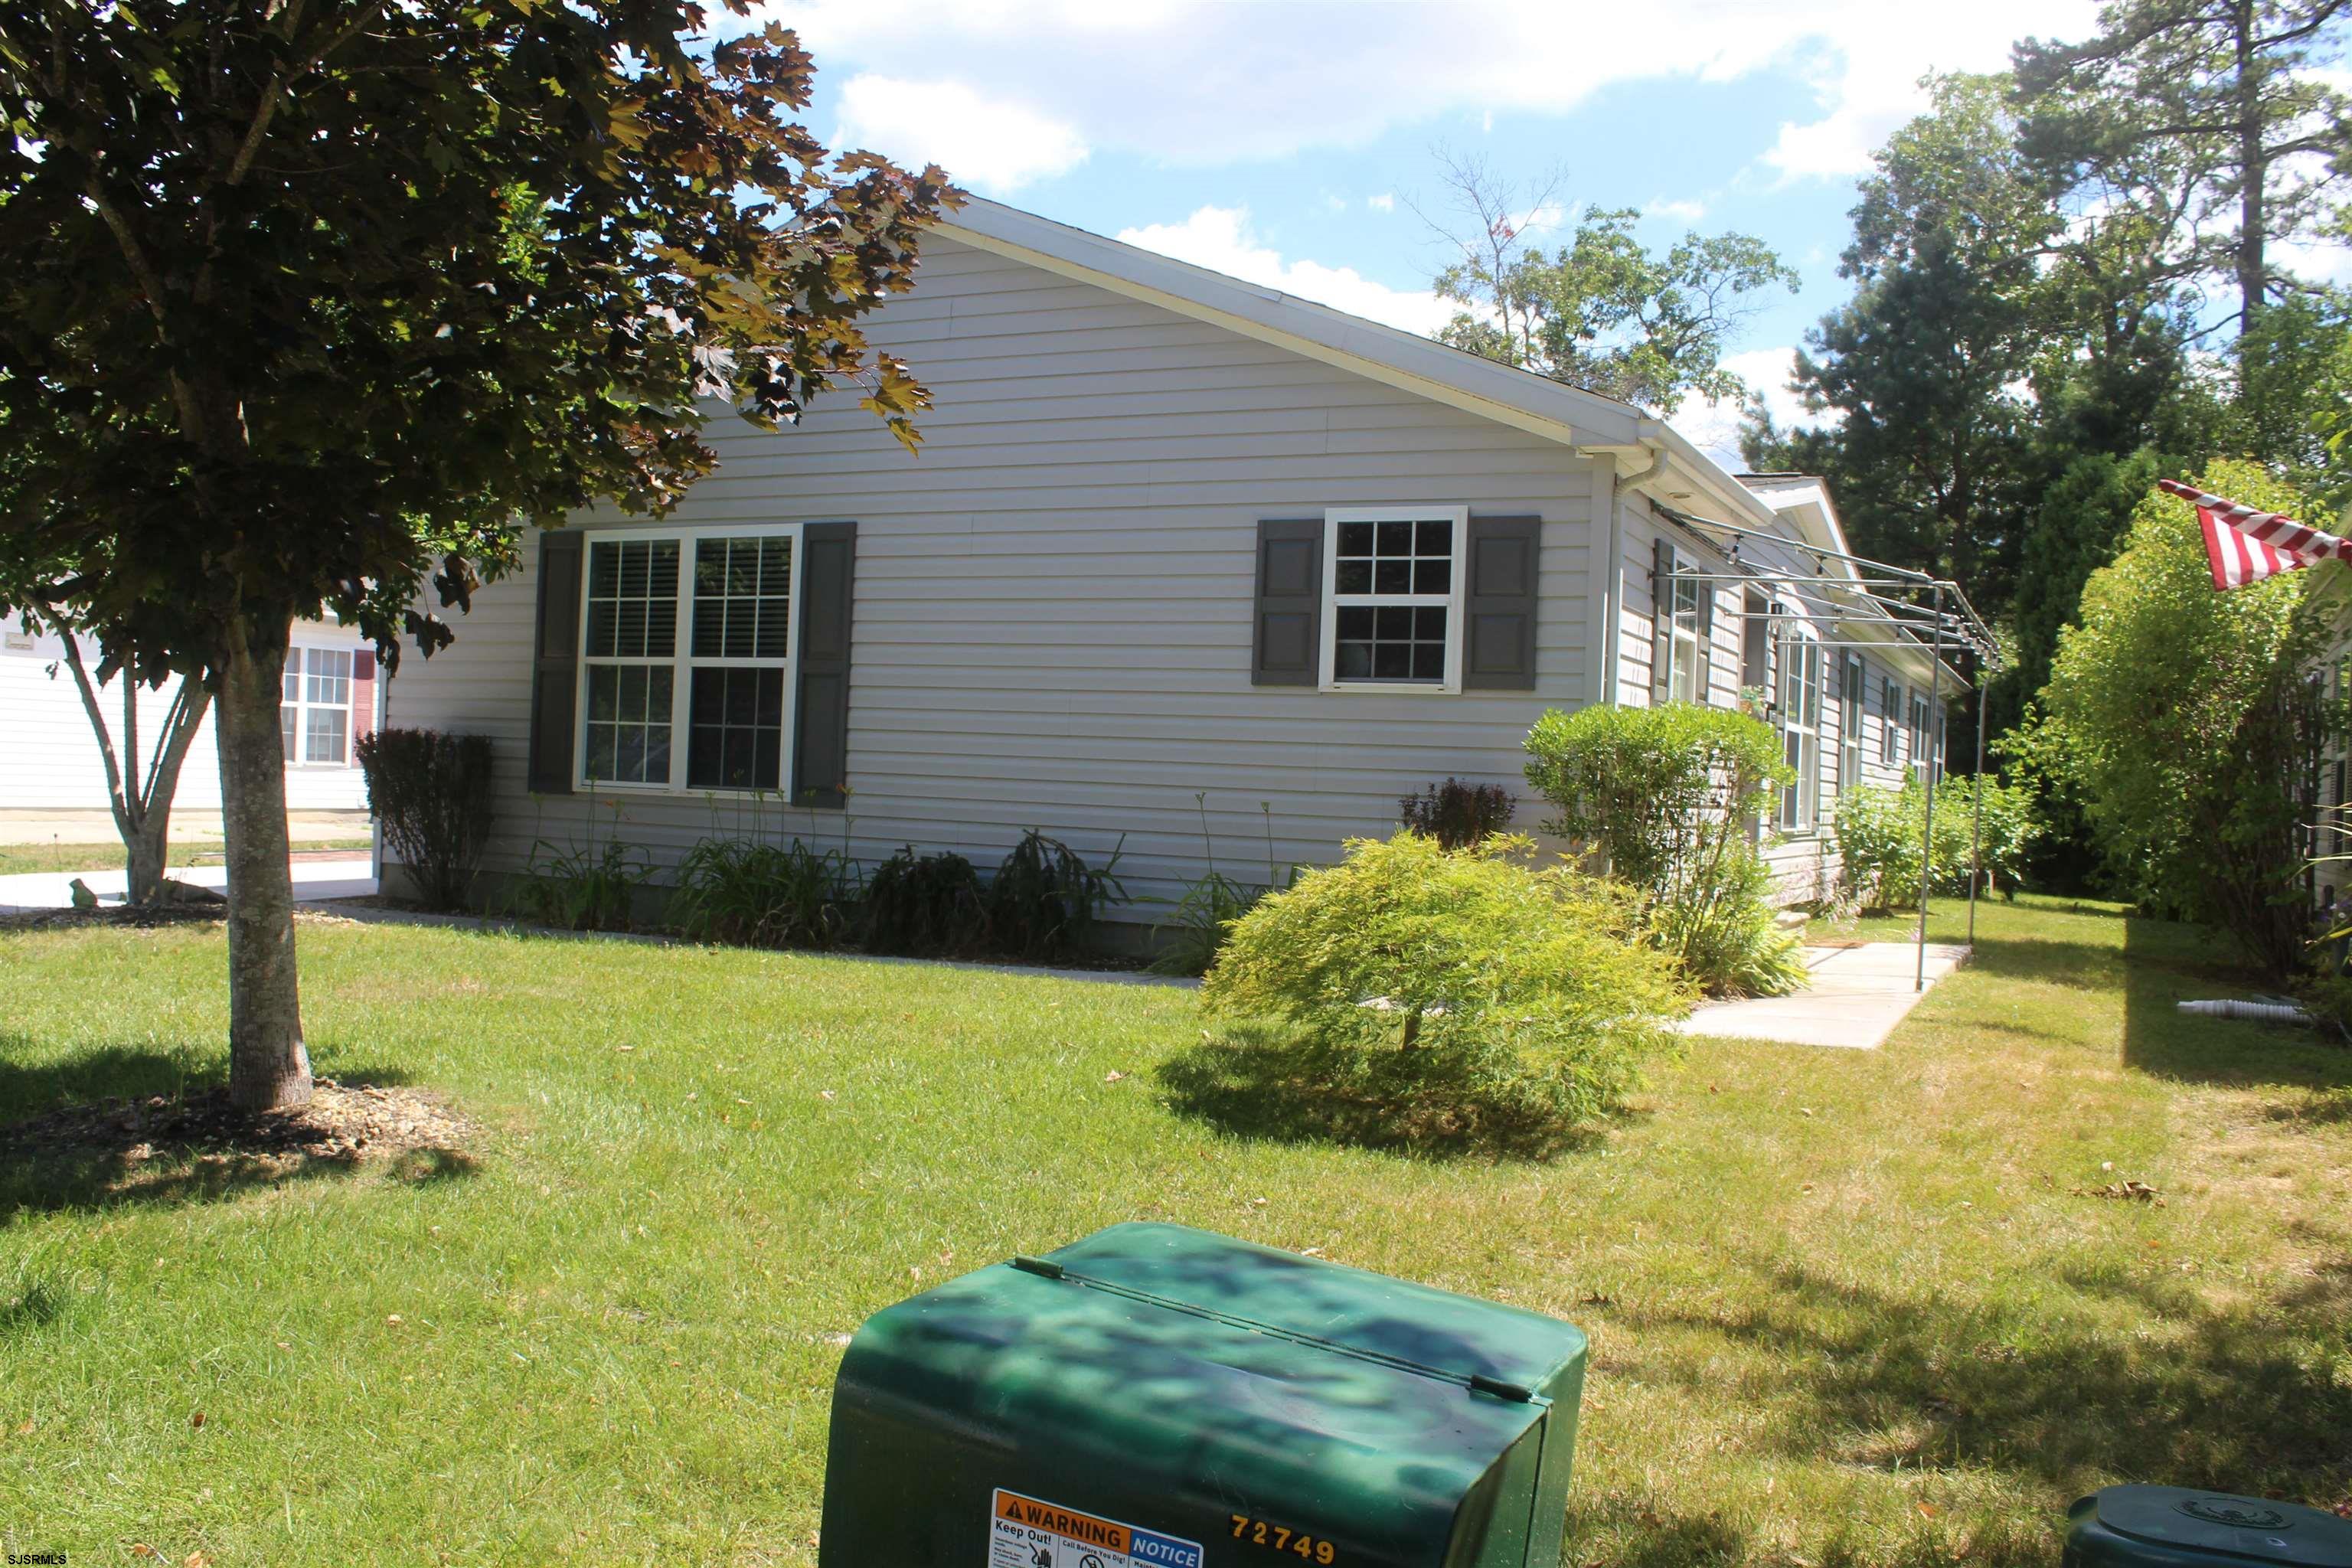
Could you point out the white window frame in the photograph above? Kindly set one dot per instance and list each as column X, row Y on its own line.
column 1799, row 810
column 682, row 661
column 1890, row 722
column 1853, row 708
column 1921, row 730
column 1685, row 680
column 1453, row 599
column 298, row 663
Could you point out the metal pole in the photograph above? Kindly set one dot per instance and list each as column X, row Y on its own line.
column 1927, row 821
column 1975, row 823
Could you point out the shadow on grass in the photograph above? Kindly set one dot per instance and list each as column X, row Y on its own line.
column 2085, row 966
column 1613, row 1530
column 115, row 1159
column 2192, row 1394
column 1262, row 1085
column 2167, row 964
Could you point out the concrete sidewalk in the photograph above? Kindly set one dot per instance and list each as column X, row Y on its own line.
column 1857, row 996
column 346, row 877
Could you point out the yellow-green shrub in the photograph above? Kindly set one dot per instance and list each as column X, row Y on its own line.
column 1467, row 969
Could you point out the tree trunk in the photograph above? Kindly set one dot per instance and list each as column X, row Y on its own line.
column 267, row 1066
column 145, row 850
column 2254, row 175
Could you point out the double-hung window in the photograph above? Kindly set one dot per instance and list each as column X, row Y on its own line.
column 1801, row 726
column 1890, row 719
column 314, row 706
column 688, row 647
column 1685, row 661
column 1852, row 701
column 1923, row 748
column 1392, row 617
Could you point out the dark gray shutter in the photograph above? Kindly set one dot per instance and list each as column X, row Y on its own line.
column 1499, row 644
column 1286, row 642
column 1662, row 621
column 555, row 662
column 821, row 723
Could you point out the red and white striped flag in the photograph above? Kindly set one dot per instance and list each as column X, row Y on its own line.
column 2245, row 546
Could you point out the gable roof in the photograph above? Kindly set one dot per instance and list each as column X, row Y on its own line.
column 1649, row 452
column 1537, row 404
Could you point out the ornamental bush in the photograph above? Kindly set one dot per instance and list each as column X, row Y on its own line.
column 430, row 792
column 2183, row 719
column 1878, row 838
column 1503, row 985
column 1667, row 793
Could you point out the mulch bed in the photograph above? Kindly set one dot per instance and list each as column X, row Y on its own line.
column 345, row 1123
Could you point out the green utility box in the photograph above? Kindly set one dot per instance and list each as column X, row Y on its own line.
column 1155, row 1396
column 2169, row 1527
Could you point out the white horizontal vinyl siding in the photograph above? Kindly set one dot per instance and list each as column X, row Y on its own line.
column 1054, row 600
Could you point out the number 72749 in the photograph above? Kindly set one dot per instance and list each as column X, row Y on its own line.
column 1282, row 1538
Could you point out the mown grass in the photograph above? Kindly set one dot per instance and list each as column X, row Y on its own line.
column 15, row 858
column 1846, row 1308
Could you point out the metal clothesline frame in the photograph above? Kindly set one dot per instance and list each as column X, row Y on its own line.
column 1932, row 628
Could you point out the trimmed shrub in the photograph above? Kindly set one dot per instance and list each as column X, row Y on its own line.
column 1666, row 794
column 1879, row 834
column 1458, row 815
column 431, row 794
column 926, row 906
column 764, row 895
column 1510, row 987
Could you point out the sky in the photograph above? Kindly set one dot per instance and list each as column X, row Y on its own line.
column 1294, row 144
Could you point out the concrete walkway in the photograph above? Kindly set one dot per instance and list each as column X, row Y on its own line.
column 342, row 877
column 1857, row 996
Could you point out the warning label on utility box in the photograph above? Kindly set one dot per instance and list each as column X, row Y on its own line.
column 1027, row 1533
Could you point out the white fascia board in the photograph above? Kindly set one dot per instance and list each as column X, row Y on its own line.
column 1418, row 365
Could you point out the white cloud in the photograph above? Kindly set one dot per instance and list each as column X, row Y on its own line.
column 1383, row 203
column 2315, row 261
column 1681, row 211
column 1220, row 238
column 1161, row 78
column 1713, row 427
column 994, row 144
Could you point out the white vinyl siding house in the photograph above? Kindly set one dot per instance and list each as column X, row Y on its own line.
column 50, row 759
column 1174, row 547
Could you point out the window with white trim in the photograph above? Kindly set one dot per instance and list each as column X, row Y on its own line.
column 1685, row 663
column 1801, row 726
column 692, row 625
column 1392, row 598
column 1853, row 703
column 314, row 706
column 1922, row 750
column 1890, row 719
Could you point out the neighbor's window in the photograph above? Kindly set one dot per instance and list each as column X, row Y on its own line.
column 1890, row 716
column 1393, row 604
column 730, row 675
column 314, row 707
column 1801, row 726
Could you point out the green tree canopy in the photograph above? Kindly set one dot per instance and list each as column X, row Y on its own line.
column 304, row 305
column 2184, row 719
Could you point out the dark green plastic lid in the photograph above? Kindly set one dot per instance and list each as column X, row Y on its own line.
column 2174, row 1524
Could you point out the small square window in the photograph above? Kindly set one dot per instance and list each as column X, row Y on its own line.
column 1405, row 567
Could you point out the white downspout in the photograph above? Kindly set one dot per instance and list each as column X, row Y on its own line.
column 1612, row 594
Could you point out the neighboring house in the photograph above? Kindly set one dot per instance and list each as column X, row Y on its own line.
column 50, row 758
column 1175, row 544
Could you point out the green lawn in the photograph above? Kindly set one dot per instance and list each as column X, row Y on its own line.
column 1846, row 1308
column 108, row 856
